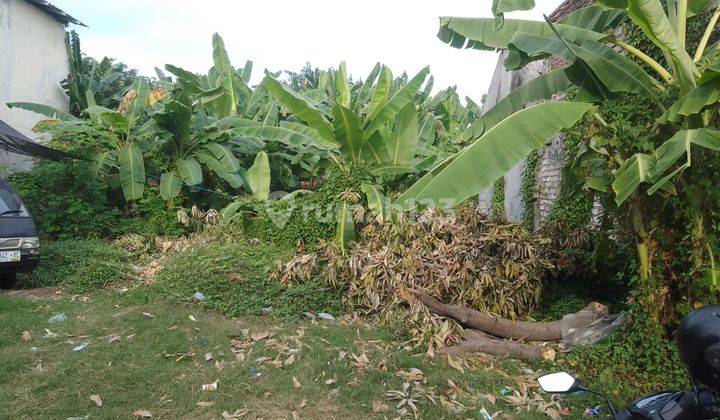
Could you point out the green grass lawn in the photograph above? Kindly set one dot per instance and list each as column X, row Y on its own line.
column 152, row 356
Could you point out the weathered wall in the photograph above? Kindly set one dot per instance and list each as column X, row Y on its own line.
column 33, row 60
column 502, row 83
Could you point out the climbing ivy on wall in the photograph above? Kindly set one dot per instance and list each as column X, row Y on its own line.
column 527, row 189
column 497, row 211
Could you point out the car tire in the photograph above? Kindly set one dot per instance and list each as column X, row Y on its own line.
column 7, row 281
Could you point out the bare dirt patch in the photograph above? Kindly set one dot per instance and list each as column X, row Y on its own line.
column 52, row 292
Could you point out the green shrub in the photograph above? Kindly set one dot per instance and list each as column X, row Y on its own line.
column 78, row 265
column 66, row 203
column 235, row 280
column 312, row 216
column 64, row 200
column 150, row 216
column 630, row 364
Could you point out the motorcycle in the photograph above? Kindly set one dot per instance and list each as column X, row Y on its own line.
column 700, row 403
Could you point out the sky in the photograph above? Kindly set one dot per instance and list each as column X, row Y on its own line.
column 284, row 35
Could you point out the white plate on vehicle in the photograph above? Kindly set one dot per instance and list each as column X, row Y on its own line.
column 9, row 256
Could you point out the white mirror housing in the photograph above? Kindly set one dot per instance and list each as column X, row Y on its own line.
column 558, row 383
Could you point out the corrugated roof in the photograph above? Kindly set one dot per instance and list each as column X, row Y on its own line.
column 56, row 13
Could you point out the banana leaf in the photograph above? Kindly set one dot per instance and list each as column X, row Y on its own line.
column 301, row 107
column 45, row 110
column 343, row 86
column 190, row 171
column 397, row 102
column 365, row 89
column 617, row 72
column 224, row 70
column 348, row 132
column 170, row 184
column 481, row 33
column 541, row 87
column 479, row 165
column 207, row 158
column 595, row 18
column 225, row 156
column 378, row 204
column 650, row 16
column 631, row 174
column 345, row 228
column 381, row 93
column 692, row 102
column 403, row 140
column 131, row 171
column 258, row 177
column 138, row 105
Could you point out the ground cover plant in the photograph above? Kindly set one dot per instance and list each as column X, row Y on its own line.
column 155, row 357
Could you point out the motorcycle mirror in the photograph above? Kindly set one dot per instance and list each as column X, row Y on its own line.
column 559, row 383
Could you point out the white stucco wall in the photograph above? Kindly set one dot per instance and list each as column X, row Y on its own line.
column 33, row 61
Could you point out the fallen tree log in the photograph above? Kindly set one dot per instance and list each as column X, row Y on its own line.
column 475, row 341
column 507, row 328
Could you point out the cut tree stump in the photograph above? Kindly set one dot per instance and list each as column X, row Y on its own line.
column 475, row 341
column 507, row 328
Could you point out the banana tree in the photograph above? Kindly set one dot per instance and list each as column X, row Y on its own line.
column 381, row 133
column 601, row 65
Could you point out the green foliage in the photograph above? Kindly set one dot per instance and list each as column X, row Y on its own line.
column 150, row 216
column 78, row 265
column 638, row 360
column 527, row 189
column 235, row 279
column 64, row 200
column 67, row 203
column 308, row 217
column 90, row 82
column 497, row 210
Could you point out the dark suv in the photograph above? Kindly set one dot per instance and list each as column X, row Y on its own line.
column 19, row 243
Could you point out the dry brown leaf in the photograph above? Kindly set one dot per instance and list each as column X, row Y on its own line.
column 296, row 383
column 414, row 374
column 360, row 361
column 148, row 314
column 26, row 336
column 142, row 413
column 490, row 398
column 96, row 399
column 303, row 403
column 341, row 355
column 379, row 406
column 330, row 381
column 234, row 277
column 204, row 404
column 260, row 336
column 290, row 360
column 455, row 364
column 39, row 365
column 276, row 362
column 236, row 415
column 295, row 415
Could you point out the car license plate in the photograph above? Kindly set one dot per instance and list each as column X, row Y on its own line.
column 9, row 256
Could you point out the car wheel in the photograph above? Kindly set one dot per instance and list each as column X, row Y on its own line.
column 7, row 281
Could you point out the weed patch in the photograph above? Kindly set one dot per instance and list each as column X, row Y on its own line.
column 235, row 280
column 78, row 265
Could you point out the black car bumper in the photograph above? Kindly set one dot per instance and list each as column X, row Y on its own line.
column 28, row 261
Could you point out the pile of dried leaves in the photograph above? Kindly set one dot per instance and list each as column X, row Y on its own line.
column 458, row 257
